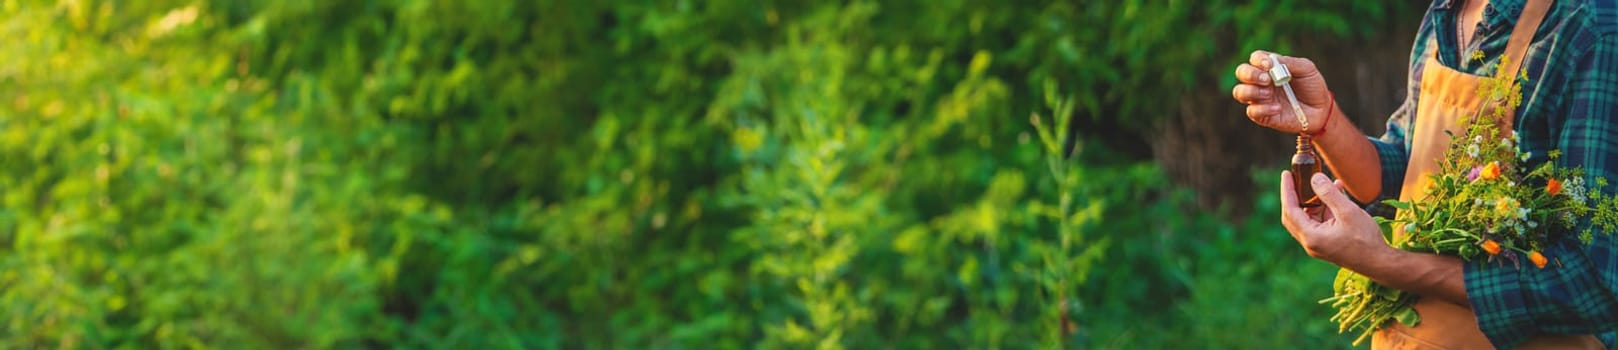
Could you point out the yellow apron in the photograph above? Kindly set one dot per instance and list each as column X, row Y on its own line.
column 1448, row 98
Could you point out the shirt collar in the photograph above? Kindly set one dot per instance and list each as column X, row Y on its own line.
column 1499, row 11
column 1504, row 12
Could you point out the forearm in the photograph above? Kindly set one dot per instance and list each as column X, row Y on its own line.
column 1351, row 157
column 1428, row 275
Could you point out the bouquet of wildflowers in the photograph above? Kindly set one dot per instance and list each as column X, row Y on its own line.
column 1485, row 203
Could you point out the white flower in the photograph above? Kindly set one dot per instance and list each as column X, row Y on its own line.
column 1533, row 224
column 1575, row 189
column 1472, row 151
column 1522, row 213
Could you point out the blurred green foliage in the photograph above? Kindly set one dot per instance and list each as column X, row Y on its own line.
column 592, row 174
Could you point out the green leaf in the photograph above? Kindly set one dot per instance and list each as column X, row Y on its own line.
column 1408, row 317
column 1397, row 204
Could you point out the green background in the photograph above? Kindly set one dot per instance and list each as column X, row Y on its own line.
column 660, row 174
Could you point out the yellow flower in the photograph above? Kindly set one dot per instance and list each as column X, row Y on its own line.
column 1507, row 206
column 1491, row 171
column 1491, row 246
column 1553, row 187
column 1539, row 259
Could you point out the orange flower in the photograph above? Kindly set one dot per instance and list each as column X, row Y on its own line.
column 1491, row 171
column 1491, row 246
column 1553, row 187
column 1539, row 259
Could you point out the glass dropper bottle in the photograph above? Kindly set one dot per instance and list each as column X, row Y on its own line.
column 1304, row 162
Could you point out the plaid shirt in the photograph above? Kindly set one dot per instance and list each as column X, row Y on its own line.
column 1572, row 108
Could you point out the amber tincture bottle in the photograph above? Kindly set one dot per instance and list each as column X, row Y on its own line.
column 1304, row 167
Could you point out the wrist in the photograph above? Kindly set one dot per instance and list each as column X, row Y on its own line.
column 1320, row 123
column 1374, row 259
column 1332, row 124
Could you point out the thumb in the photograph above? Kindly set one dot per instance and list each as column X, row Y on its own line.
column 1331, row 194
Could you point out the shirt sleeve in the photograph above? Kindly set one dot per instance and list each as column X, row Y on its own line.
column 1393, row 151
column 1578, row 292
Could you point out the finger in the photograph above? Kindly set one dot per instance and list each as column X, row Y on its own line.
column 1300, row 67
column 1263, row 112
column 1247, row 73
column 1250, row 94
column 1289, row 197
column 1260, row 59
column 1332, row 195
column 1292, row 216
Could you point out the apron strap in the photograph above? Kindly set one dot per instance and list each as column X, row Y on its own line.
column 1527, row 25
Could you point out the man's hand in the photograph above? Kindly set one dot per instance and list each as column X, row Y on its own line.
column 1347, row 236
column 1267, row 104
